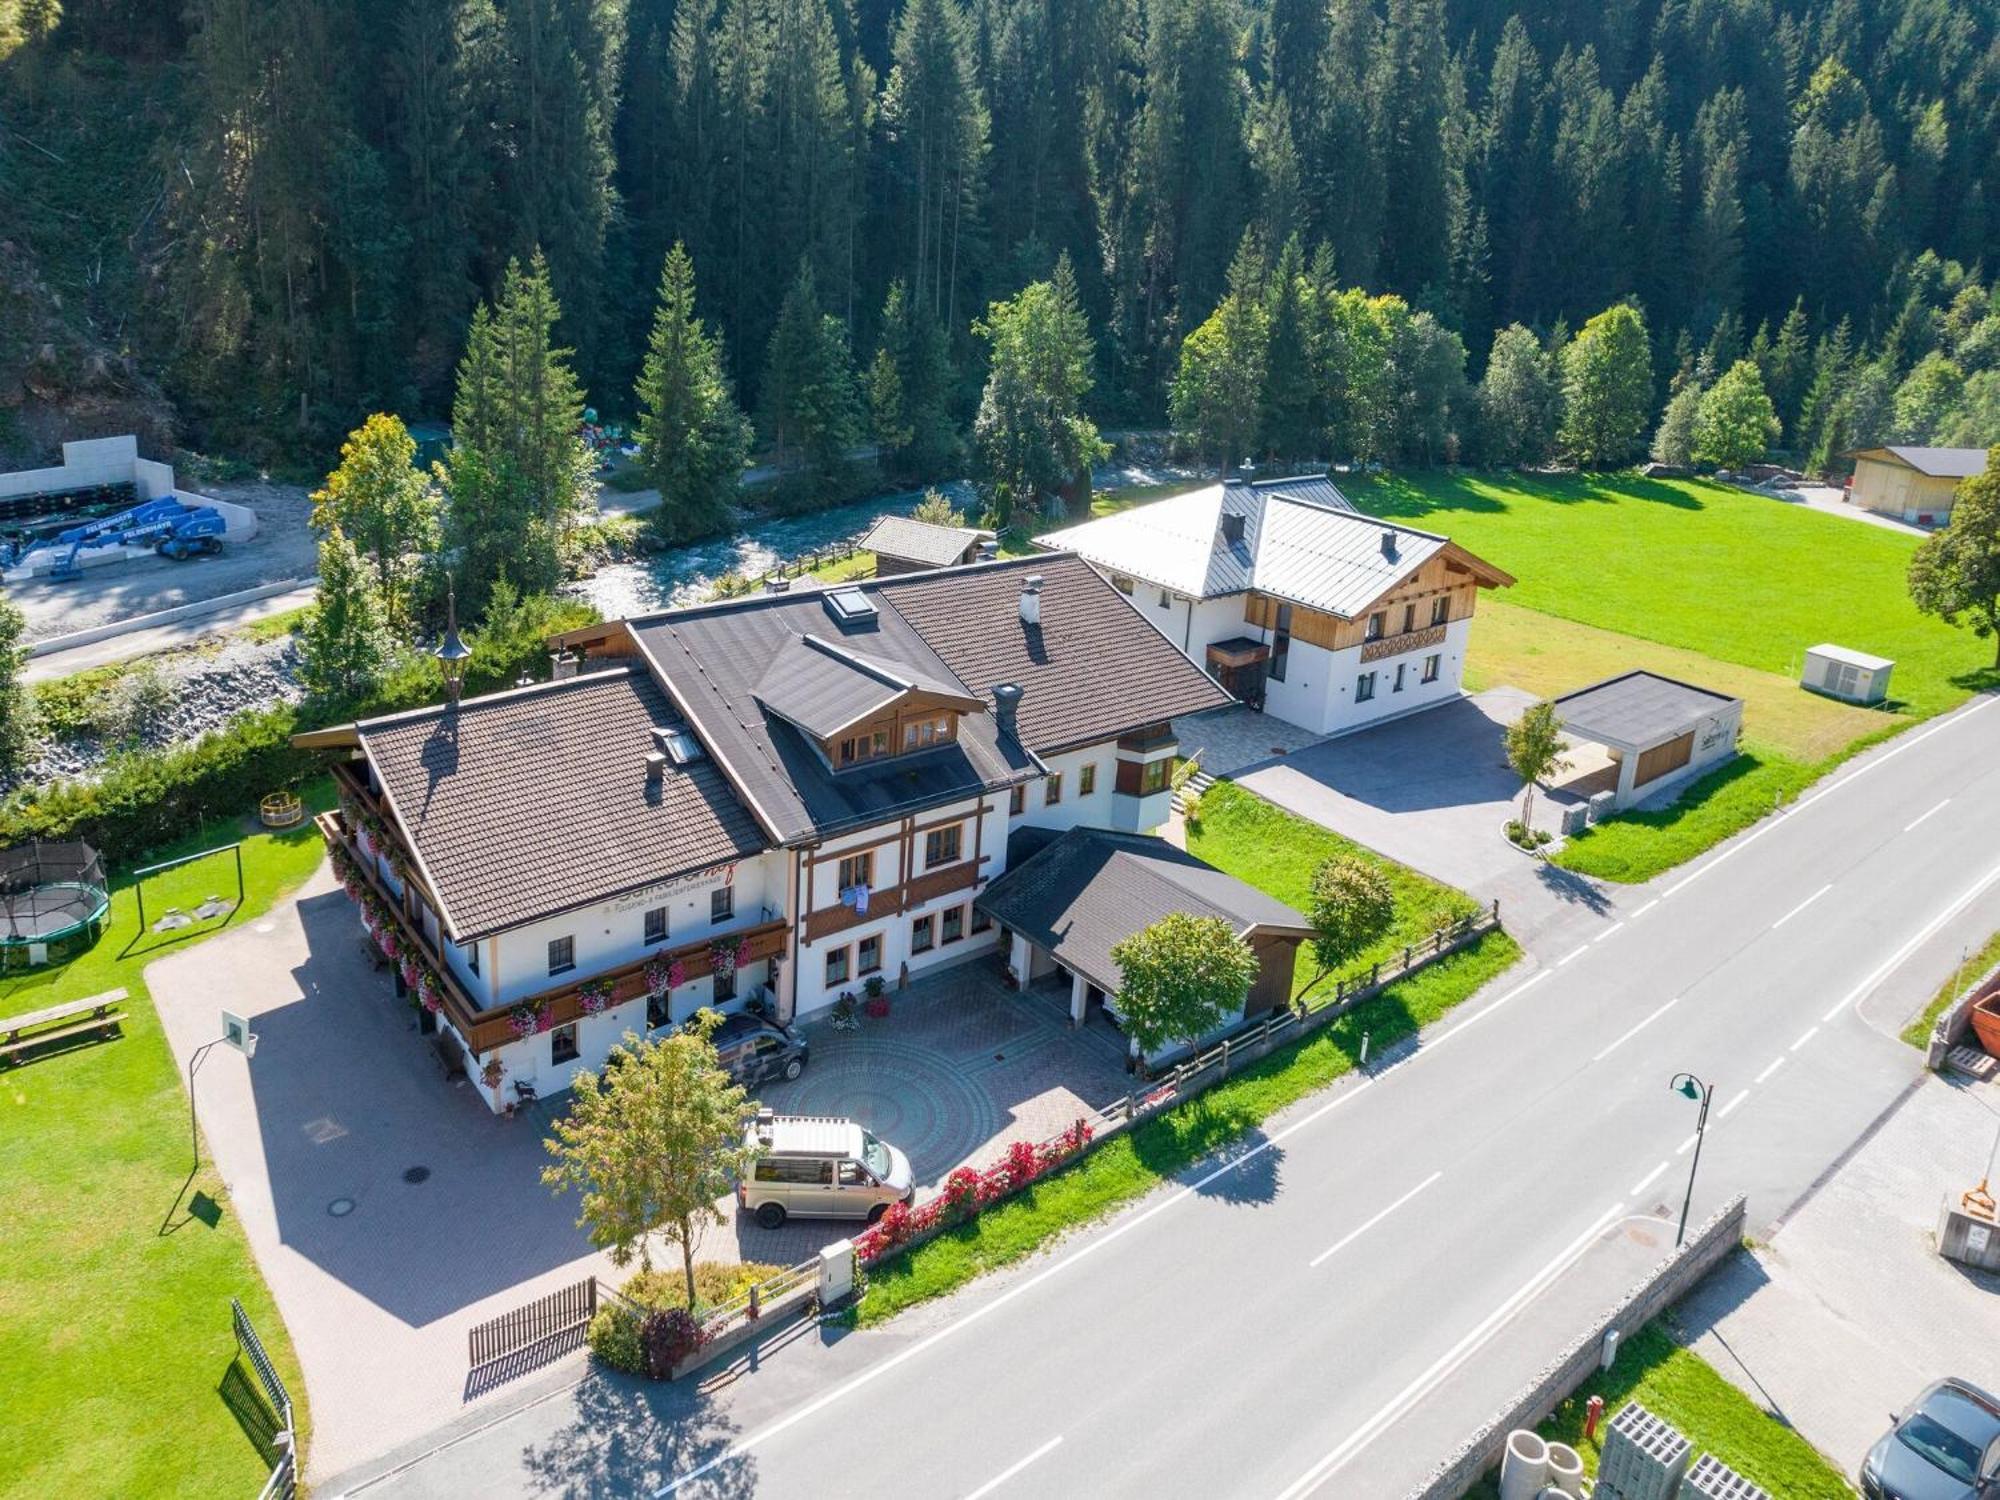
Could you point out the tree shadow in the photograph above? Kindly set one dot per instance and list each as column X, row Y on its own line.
column 1395, row 496
column 254, row 1418
column 1571, row 888
column 1978, row 680
column 630, row 1437
column 1246, row 1176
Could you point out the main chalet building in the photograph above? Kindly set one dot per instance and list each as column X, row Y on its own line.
column 783, row 796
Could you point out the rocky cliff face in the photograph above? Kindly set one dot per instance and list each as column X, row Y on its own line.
column 60, row 380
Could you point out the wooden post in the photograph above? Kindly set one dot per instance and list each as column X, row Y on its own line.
column 756, row 1304
column 1406, row 958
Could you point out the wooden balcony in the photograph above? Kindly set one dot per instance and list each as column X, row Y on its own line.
column 1407, row 640
column 488, row 1028
column 894, row 900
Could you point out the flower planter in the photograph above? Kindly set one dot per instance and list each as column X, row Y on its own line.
column 1985, row 1017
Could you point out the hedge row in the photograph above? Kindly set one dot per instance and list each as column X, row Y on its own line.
column 150, row 798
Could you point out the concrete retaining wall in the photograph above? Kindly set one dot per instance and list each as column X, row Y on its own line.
column 1668, row 1282
column 175, row 615
column 1952, row 1026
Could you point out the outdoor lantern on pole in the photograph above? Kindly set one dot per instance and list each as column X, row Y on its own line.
column 1693, row 1088
column 452, row 653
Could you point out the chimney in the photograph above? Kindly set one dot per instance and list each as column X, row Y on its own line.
column 1388, row 544
column 562, row 666
column 1006, row 704
column 773, row 584
column 656, row 768
column 1031, row 600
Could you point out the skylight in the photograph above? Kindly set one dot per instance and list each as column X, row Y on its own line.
column 849, row 606
column 681, row 747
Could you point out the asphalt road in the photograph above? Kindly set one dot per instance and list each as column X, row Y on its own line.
column 1327, row 1310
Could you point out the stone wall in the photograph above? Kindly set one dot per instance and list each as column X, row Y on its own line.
column 1667, row 1283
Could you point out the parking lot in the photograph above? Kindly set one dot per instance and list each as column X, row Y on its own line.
column 390, row 1210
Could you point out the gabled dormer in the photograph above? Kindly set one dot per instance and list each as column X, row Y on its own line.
column 856, row 708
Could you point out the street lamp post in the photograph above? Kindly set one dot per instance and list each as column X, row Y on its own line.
column 1693, row 1088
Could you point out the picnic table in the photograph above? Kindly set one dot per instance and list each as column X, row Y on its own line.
column 99, row 1013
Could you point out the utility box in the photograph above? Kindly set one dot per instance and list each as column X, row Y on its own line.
column 836, row 1273
column 1851, row 676
column 1644, row 1457
column 1712, row 1479
column 1971, row 1239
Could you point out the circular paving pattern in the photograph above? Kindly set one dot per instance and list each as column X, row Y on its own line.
column 909, row 1096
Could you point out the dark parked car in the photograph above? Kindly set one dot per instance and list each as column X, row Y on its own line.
column 753, row 1049
column 1945, row 1446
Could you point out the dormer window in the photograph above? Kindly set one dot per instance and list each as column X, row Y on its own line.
column 932, row 729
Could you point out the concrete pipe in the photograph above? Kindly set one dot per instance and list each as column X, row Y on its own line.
column 1565, row 1469
column 1524, row 1469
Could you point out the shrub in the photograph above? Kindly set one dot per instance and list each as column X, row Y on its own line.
column 616, row 1338
column 716, row 1284
column 669, row 1337
column 961, row 1191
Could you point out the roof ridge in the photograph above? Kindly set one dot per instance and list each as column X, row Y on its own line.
column 504, row 695
column 861, row 661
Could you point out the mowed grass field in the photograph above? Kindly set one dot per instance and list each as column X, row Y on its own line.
column 1704, row 567
column 121, row 1373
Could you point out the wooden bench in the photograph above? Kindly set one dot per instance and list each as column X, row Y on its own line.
column 99, row 1013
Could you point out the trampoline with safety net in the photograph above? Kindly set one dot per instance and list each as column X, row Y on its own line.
column 52, row 902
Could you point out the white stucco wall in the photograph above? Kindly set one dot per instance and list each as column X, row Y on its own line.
column 1319, row 689
column 1075, row 809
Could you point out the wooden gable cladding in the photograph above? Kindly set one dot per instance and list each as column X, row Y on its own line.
column 924, row 712
column 1444, row 575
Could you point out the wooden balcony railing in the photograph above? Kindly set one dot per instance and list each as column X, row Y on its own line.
column 1407, row 640
column 487, row 1028
column 895, row 899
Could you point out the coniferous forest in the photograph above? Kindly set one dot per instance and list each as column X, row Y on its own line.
column 281, row 214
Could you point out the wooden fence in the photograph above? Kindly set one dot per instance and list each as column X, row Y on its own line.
column 1178, row 1084
column 563, row 1311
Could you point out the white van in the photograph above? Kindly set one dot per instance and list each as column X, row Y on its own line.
column 820, row 1167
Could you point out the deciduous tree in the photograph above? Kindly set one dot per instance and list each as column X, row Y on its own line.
column 1536, row 750
column 1180, row 978
column 1352, row 907
column 650, row 1143
column 1520, row 399
column 1955, row 573
column 345, row 645
column 17, row 718
column 1735, row 423
column 383, row 504
column 1607, row 389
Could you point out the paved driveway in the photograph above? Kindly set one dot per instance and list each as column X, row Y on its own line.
column 379, row 1277
column 1432, row 791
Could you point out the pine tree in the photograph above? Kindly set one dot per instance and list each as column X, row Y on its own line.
column 1218, row 389
column 1674, row 440
column 1289, row 404
column 909, row 389
column 1788, row 369
column 811, row 404
column 519, row 475
column 935, row 122
column 1607, row 389
column 693, row 440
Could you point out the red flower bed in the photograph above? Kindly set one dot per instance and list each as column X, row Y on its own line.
column 968, row 1190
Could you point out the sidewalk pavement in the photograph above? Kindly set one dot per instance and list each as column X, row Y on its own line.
column 1848, row 1311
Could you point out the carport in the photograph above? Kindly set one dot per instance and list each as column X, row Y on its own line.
column 1658, row 731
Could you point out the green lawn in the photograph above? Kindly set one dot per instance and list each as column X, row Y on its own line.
column 1136, row 1162
column 1261, row 843
column 1685, row 1390
column 1732, row 575
column 1918, row 1032
column 114, row 1298
column 1276, row 852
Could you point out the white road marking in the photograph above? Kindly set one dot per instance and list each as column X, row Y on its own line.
column 1685, row 1146
column 1356, row 1234
column 1088, row 1247
column 1811, row 1032
column 1648, row 1180
column 1637, row 1029
column 1608, row 931
column 1910, row 742
column 1568, row 956
column 1801, row 906
column 1727, row 1109
column 1775, row 1064
column 1646, row 908
column 1929, row 931
column 1449, row 1361
column 1938, row 809
column 1006, row 1474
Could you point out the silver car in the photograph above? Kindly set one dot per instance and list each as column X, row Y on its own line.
column 820, row 1167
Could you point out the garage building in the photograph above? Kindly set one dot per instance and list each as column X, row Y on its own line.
column 1659, row 731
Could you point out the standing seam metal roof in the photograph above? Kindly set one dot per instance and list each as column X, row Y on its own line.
column 1302, row 541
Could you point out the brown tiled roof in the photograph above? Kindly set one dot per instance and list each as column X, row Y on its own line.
column 1082, row 894
column 536, row 801
column 1093, row 669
